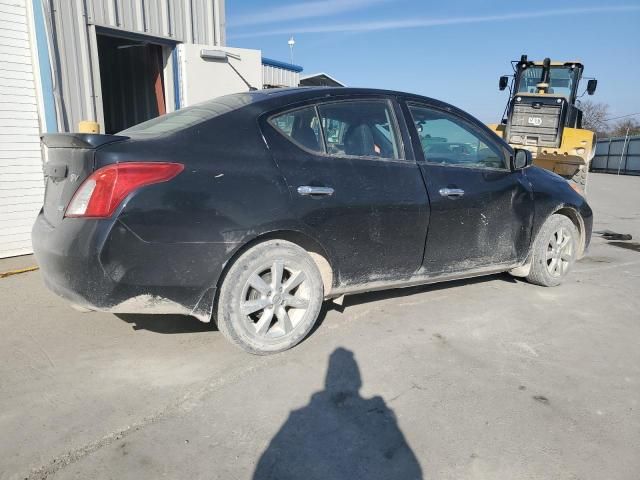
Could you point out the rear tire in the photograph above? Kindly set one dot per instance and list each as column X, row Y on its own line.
column 270, row 298
column 554, row 251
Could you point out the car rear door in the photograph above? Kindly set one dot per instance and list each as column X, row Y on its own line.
column 353, row 184
column 481, row 211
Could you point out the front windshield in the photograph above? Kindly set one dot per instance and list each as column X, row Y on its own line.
column 561, row 80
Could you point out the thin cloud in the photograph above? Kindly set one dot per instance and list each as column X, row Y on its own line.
column 434, row 22
column 301, row 11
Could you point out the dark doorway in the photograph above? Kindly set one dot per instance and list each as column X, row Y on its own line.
column 132, row 81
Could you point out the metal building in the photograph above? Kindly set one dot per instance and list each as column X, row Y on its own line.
column 113, row 63
column 100, row 47
column 277, row 74
column 320, row 80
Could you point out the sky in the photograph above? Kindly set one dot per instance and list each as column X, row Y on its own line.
column 452, row 50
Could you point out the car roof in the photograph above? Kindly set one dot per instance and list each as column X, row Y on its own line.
column 281, row 97
column 274, row 97
column 329, row 91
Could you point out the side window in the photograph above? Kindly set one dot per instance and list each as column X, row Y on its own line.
column 447, row 140
column 359, row 128
column 302, row 126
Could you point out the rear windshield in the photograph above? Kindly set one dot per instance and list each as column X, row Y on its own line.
column 189, row 116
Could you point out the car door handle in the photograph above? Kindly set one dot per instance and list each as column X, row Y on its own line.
column 451, row 192
column 308, row 190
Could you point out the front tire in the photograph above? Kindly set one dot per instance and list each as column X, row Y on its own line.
column 554, row 251
column 270, row 298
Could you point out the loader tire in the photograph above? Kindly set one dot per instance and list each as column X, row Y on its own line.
column 580, row 177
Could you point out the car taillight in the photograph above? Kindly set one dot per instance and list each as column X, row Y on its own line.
column 101, row 193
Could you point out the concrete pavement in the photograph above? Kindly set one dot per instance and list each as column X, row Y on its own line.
column 482, row 379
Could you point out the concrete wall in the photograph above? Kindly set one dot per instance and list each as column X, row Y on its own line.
column 205, row 79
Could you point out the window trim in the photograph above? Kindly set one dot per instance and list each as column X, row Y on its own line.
column 402, row 157
column 472, row 128
column 388, row 103
column 324, row 140
column 271, row 122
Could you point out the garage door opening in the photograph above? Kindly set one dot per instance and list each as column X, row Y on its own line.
column 132, row 82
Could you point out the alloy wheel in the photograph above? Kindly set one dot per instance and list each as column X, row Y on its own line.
column 274, row 300
column 559, row 252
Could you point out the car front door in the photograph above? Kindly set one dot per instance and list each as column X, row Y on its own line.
column 481, row 211
column 353, row 185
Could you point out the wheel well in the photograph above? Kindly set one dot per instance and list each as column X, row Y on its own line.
column 313, row 248
column 576, row 218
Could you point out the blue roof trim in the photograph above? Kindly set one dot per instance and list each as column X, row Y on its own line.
column 284, row 65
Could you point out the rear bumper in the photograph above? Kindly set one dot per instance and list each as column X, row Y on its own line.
column 102, row 265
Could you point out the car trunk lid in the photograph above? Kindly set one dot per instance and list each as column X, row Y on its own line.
column 69, row 160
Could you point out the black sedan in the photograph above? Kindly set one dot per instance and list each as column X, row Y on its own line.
column 254, row 208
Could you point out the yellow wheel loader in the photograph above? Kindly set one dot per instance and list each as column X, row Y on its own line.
column 542, row 116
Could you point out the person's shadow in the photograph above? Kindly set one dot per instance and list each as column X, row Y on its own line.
column 340, row 435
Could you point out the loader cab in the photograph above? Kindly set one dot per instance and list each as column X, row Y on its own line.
column 549, row 78
column 543, row 101
column 543, row 116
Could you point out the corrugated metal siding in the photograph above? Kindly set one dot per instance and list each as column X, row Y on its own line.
column 21, row 182
column 279, row 77
column 69, row 85
column 188, row 21
column 163, row 18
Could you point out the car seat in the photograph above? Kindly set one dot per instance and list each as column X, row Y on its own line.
column 306, row 137
column 358, row 141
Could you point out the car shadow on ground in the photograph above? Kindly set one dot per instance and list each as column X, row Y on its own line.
column 167, row 324
column 361, row 298
column 433, row 287
column 176, row 324
column 340, row 435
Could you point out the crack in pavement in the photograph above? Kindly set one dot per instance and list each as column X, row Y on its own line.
column 183, row 406
column 190, row 400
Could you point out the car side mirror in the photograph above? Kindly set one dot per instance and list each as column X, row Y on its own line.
column 591, row 86
column 521, row 159
column 504, row 81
